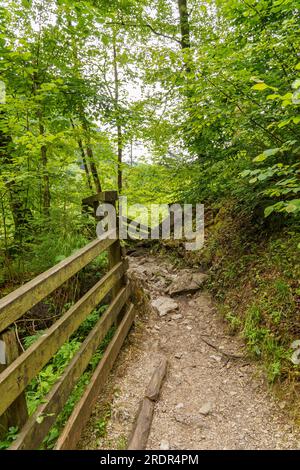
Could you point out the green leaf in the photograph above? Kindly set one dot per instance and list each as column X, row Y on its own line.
column 253, row 180
column 260, row 158
column 284, row 123
column 269, row 210
column 270, row 152
column 267, row 153
column 40, row 419
column 293, row 206
column 245, row 173
column 260, row 86
column 296, row 84
column 273, row 96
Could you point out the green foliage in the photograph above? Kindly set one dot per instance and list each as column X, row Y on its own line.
column 42, row 384
column 101, row 424
column 9, row 438
column 76, row 394
column 256, row 282
column 278, row 174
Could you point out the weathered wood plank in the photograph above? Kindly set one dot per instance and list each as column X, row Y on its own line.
column 14, row 305
column 154, row 386
column 44, row 417
column 139, row 437
column 141, row 429
column 17, row 413
column 15, row 378
column 114, row 257
column 72, row 431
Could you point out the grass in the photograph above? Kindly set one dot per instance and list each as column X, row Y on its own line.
column 121, row 443
column 101, row 424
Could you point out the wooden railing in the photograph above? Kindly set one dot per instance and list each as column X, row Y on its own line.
column 21, row 367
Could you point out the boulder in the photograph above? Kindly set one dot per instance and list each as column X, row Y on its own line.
column 164, row 305
column 186, row 282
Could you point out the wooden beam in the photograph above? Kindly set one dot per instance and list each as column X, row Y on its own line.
column 81, row 413
column 14, row 305
column 17, row 414
column 114, row 257
column 141, row 429
column 154, row 386
column 139, row 437
column 43, row 418
column 15, row 378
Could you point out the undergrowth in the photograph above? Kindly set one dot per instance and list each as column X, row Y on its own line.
column 43, row 382
column 255, row 280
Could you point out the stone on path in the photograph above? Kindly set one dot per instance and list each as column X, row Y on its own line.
column 186, row 282
column 205, row 409
column 164, row 445
column 164, row 305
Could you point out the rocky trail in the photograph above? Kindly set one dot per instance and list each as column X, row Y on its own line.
column 213, row 397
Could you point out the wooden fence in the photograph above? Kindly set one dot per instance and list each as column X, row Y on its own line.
column 20, row 367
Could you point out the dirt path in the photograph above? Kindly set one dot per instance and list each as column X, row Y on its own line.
column 212, row 398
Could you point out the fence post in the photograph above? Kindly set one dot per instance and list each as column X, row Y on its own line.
column 115, row 253
column 17, row 414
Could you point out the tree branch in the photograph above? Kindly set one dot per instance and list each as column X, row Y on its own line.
column 147, row 25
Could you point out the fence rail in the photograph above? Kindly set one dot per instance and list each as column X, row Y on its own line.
column 19, row 370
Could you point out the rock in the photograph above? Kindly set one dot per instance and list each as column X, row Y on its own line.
column 189, row 419
column 120, row 415
column 177, row 316
column 216, row 358
column 164, row 305
column 186, row 282
column 178, row 355
column 179, row 406
column 180, row 418
column 205, row 409
column 164, row 445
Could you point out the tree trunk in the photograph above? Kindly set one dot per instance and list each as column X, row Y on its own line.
column 184, row 24
column 22, row 216
column 119, row 127
column 84, row 160
column 45, row 175
column 94, row 170
column 90, row 155
column 89, row 151
column 85, row 165
column 120, row 158
column 185, row 31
